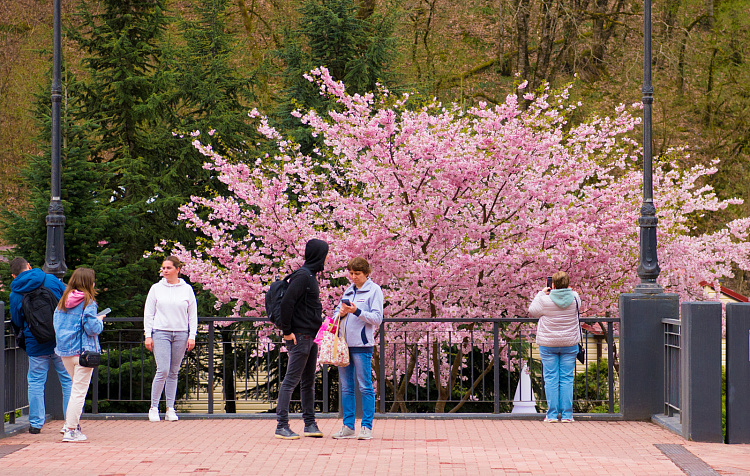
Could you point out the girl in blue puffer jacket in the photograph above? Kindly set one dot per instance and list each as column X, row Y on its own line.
column 77, row 328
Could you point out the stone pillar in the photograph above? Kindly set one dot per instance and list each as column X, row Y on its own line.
column 642, row 352
column 738, row 373
column 700, row 371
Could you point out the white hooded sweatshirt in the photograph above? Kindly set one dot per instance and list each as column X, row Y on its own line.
column 171, row 307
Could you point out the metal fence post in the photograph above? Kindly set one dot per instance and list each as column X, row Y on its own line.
column 2, row 367
column 326, row 389
column 95, row 392
column 210, row 367
column 610, row 367
column 381, row 369
column 496, row 364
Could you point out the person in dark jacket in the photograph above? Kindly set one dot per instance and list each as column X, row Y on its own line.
column 41, row 355
column 301, row 317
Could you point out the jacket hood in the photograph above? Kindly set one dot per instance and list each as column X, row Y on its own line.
column 75, row 297
column 164, row 282
column 562, row 297
column 315, row 255
column 28, row 280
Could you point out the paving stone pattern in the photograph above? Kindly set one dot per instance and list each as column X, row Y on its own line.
column 408, row 447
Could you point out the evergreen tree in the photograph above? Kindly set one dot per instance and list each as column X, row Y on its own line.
column 332, row 33
column 122, row 98
column 210, row 93
column 91, row 226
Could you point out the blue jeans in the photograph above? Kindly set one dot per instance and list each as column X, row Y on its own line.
column 37, row 378
column 360, row 363
column 303, row 360
column 558, row 365
column 169, row 349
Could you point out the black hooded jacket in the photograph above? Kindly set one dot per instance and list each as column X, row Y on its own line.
column 301, row 310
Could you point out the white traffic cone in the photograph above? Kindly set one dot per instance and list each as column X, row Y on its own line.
column 524, row 400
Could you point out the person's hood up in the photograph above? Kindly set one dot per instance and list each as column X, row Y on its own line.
column 28, row 280
column 75, row 297
column 562, row 297
column 315, row 255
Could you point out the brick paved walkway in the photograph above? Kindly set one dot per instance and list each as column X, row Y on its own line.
column 400, row 446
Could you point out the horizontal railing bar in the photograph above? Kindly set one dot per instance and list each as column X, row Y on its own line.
column 673, row 322
column 529, row 320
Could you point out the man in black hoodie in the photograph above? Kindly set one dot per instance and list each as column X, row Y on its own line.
column 301, row 317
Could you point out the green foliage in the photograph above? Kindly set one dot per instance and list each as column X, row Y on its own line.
column 330, row 33
column 124, row 173
column 593, row 387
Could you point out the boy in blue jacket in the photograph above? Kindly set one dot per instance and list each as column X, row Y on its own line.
column 25, row 280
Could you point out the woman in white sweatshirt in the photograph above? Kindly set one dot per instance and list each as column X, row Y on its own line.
column 557, row 335
column 170, row 321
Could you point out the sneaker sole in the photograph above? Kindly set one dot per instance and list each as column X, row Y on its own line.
column 364, row 437
column 314, row 435
column 350, row 437
column 281, row 437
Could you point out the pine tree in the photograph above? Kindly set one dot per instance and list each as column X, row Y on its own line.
column 91, row 226
column 210, row 93
column 332, row 33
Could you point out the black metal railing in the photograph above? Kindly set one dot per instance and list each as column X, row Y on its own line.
column 671, row 366
column 472, row 365
column 240, row 370
column 14, row 396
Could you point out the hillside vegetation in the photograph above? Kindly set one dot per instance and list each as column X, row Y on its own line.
column 469, row 51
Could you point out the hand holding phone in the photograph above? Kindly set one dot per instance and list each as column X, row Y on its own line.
column 549, row 281
column 346, row 301
column 102, row 313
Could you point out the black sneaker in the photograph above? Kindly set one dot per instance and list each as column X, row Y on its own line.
column 286, row 434
column 34, row 430
column 313, row 430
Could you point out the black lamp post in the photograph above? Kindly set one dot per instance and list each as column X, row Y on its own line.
column 54, row 261
column 648, row 265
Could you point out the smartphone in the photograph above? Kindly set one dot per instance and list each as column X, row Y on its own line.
column 549, row 281
column 346, row 301
column 104, row 312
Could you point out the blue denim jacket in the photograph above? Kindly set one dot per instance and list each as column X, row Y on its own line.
column 68, row 330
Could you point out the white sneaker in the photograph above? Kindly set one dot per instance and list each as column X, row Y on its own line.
column 74, row 436
column 344, row 432
column 65, row 428
column 153, row 414
column 365, row 433
column 171, row 415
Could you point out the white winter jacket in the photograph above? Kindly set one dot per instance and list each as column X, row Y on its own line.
column 557, row 327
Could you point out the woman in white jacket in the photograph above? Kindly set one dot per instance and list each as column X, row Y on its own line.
column 557, row 335
column 170, row 322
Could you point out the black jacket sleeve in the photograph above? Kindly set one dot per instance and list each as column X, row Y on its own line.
column 296, row 290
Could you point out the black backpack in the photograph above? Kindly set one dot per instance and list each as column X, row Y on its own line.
column 39, row 310
column 273, row 299
column 274, row 296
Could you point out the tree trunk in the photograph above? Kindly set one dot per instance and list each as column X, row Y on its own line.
column 522, row 37
column 230, row 394
column 546, row 43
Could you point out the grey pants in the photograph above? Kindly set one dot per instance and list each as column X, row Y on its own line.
column 169, row 349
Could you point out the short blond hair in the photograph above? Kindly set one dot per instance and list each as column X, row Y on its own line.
column 561, row 280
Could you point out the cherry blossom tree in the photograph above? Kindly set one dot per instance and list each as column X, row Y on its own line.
column 462, row 213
